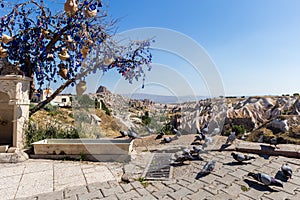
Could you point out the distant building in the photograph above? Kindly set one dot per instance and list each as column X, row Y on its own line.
column 62, row 100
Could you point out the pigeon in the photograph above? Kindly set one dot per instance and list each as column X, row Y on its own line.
column 187, row 153
column 180, row 159
column 133, row 135
column 160, row 135
column 216, row 131
column 241, row 157
column 177, row 132
column 166, row 140
column 200, row 136
column 286, row 170
column 231, row 138
column 124, row 133
column 208, row 167
column 266, row 179
column 197, row 150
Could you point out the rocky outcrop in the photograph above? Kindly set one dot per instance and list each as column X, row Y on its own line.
column 216, row 115
column 103, row 89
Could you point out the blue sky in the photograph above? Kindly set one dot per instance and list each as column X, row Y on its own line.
column 255, row 44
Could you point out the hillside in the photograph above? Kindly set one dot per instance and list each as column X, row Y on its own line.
column 254, row 118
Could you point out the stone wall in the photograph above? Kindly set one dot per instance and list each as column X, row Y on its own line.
column 15, row 102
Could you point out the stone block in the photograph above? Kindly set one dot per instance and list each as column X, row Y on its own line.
column 112, row 191
column 97, row 186
column 96, row 194
column 200, row 195
column 180, row 193
column 71, row 191
column 3, row 148
column 126, row 186
column 128, row 195
column 57, row 195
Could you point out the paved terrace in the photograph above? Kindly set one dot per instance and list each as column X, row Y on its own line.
column 48, row 179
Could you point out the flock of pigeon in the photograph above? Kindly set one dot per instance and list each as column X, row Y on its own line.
column 204, row 140
column 194, row 154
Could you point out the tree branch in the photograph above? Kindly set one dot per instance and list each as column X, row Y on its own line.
column 49, row 99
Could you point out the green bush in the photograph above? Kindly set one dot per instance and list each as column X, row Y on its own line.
column 33, row 133
column 52, row 110
column 146, row 119
column 85, row 101
column 238, row 129
column 107, row 111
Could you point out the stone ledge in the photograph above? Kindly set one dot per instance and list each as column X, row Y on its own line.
column 15, row 157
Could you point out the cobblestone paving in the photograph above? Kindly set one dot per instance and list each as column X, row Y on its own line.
column 229, row 180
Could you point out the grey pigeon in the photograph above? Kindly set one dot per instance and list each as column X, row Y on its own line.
column 200, row 136
column 266, row 179
column 166, row 140
column 133, row 135
column 197, row 150
column 287, row 170
column 180, row 159
column 241, row 157
column 205, row 130
column 177, row 132
column 187, row 153
column 207, row 141
column 208, row 167
column 124, row 133
column 231, row 138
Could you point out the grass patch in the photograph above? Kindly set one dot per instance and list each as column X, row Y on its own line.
column 244, row 188
column 143, row 181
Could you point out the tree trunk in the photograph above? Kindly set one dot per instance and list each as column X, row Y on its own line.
column 49, row 99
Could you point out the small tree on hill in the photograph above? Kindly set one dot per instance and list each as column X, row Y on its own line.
column 67, row 45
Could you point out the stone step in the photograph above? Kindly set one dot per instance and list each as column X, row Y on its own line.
column 3, row 148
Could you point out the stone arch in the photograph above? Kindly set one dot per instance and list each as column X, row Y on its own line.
column 6, row 120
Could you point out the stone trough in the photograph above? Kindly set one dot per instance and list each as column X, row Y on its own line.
column 105, row 150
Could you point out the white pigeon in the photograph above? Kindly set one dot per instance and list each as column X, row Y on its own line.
column 287, row 170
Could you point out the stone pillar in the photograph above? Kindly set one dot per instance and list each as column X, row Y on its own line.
column 14, row 104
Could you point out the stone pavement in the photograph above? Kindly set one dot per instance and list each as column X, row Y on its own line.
column 46, row 179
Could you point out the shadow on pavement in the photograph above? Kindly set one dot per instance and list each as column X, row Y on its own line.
column 224, row 146
column 179, row 164
column 236, row 163
column 201, row 175
column 258, row 186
